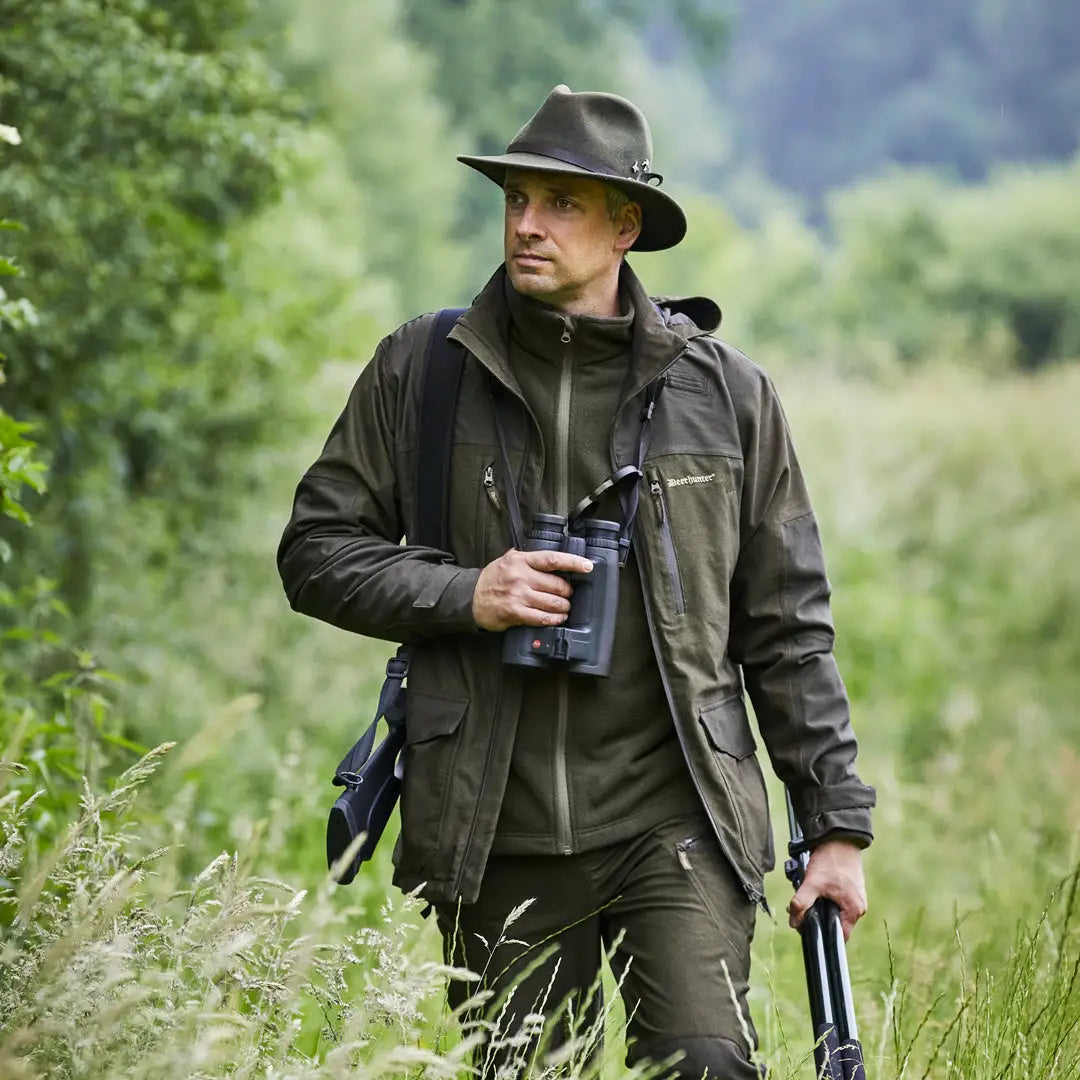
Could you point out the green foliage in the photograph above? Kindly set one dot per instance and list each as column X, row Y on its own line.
column 18, row 468
column 370, row 88
column 54, row 716
column 916, row 271
column 149, row 131
column 963, row 272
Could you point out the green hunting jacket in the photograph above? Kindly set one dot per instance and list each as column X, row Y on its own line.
column 732, row 570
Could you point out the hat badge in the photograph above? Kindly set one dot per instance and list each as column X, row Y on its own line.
column 639, row 171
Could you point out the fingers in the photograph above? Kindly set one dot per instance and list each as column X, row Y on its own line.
column 550, row 603
column 851, row 906
column 558, row 562
column 549, row 583
column 850, row 913
column 513, row 591
column 801, row 903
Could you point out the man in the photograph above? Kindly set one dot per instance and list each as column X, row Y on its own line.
column 630, row 809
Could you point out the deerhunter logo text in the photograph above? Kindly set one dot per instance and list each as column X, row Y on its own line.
column 684, row 480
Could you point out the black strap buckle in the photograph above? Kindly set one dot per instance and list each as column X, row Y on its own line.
column 348, row 779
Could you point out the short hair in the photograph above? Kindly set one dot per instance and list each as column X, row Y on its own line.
column 616, row 199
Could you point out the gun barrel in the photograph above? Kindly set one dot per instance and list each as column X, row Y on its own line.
column 837, row 1051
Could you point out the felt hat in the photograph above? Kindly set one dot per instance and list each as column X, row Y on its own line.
column 598, row 135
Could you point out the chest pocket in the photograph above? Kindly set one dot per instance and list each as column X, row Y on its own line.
column 691, row 528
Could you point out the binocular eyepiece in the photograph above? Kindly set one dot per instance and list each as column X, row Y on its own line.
column 582, row 645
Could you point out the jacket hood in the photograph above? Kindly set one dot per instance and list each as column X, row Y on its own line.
column 704, row 313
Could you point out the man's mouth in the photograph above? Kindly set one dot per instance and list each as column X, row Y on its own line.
column 529, row 258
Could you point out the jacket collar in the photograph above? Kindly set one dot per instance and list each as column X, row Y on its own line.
column 546, row 333
column 660, row 332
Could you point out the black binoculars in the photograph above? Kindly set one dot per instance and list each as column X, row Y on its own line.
column 581, row 645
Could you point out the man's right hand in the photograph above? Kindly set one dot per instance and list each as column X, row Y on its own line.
column 523, row 588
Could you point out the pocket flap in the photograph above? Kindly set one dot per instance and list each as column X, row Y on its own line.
column 428, row 716
column 728, row 728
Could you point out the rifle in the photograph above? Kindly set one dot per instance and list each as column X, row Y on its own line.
column 837, row 1051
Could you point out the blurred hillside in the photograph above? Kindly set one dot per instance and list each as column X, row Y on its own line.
column 818, row 94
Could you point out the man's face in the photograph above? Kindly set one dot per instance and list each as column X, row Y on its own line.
column 559, row 240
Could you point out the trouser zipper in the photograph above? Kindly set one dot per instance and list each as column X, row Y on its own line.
column 656, row 489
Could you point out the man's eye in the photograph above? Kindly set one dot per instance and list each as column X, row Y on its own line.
column 563, row 203
column 513, row 198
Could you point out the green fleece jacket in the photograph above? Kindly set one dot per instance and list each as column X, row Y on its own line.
column 595, row 760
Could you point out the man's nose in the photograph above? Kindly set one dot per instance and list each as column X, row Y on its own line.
column 528, row 224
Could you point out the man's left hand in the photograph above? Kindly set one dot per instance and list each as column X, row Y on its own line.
column 835, row 870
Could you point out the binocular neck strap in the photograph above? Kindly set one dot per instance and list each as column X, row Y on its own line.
column 614, row 480
column 629, row 494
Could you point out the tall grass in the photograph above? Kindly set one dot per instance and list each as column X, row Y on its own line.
column 113, row 965
column 950, row 507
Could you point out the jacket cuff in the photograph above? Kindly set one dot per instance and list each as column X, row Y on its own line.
column 839, row 807
column 447, row 597
column 852, row 824
column 857, row 837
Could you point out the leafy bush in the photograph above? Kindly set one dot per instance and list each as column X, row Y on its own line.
column 911, row 271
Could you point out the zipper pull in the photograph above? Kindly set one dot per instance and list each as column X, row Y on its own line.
column 684, row 859
column 565, row 339
column 658, row 498
column 490, row 488
column 756, row 898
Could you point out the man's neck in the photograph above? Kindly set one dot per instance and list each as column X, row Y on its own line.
column 599, row 300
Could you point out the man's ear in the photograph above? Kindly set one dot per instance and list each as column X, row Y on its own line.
column 629, row 227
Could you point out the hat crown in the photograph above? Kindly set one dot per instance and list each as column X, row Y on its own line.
column 604, row 133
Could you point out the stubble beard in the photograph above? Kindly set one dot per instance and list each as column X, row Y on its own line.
column 538, row 284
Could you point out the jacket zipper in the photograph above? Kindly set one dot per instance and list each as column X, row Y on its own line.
column 563, row 829
column 754, row 895
column 463, row 859
column 656, row 488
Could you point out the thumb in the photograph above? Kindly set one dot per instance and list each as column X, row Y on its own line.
column 801, row 903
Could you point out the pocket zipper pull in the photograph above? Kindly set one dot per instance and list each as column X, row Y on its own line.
column 658, row 498
column 489, row 487
column 684, row 859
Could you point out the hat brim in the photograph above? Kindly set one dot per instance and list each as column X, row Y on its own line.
column 663, row 222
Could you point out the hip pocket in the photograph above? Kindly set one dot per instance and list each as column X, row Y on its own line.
column 432, row 739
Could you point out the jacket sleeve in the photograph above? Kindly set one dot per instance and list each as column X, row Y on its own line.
column 782, row 633
column 340, row 558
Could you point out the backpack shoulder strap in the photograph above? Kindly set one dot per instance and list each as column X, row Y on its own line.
column 440, row 379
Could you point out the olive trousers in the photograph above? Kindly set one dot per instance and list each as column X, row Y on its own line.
column 667, row 909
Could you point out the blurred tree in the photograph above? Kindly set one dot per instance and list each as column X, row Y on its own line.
column 150, row 129
column 357, row 74
column 496, row 61
column 982, row 274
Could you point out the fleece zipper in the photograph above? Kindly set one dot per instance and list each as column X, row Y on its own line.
column 563, row 829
